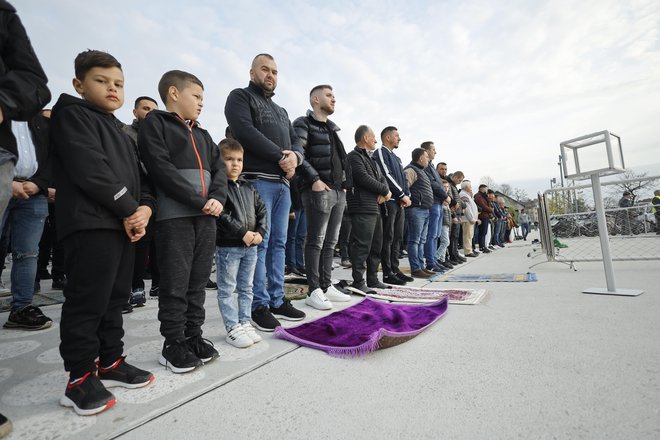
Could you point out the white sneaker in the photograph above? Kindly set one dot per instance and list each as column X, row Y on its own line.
column 318, row 300
column 251, row 332
column 238, row 338
column 335, row 295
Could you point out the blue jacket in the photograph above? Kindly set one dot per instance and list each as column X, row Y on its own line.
column 390, row 166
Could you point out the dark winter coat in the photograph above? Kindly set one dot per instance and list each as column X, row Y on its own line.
column 365, row 181
column 244, row 211
column 95, row 167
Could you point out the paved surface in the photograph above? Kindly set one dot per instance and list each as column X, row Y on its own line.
column 536, row 360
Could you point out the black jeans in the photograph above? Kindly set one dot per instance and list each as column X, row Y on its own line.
column 142, row 248
column 392, row 234
column 185, row 249
column 366, row 243
column 98, row 264
column 345, row 235
column 454, row 239
column 50, row 242
column 483, row 231
column 324, row 210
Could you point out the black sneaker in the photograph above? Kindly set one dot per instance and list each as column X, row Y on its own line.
column 87, row 396
column 202, row 348
column 264, row 320
column 122, row 374
column 138, row 297
column 127, row 308
column 287, row 312
column 211, row 285
column 378, row 285
column 362, row 287
column 5, row 426
column 59, row 283
column 153, row 292
column 404, row 277
column 28, row 318
column 447, row 264
column 393, row 279
column 178, row 357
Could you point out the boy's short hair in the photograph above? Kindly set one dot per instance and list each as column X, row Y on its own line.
column 144, row 98
column 87, row 60
column 229, row 144
column 178, row 79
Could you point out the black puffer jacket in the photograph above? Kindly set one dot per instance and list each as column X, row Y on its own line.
column 23, row 90
column 365, row 181
column 319, row 151
column 244, row 211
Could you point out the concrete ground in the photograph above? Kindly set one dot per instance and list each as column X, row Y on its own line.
column 537, row 360
column 534, row 360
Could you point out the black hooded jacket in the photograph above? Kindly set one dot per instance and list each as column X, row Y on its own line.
column 183, row 163
column 95, row 168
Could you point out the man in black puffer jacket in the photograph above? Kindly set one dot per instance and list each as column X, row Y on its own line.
column 323, row 195
column 367, row 190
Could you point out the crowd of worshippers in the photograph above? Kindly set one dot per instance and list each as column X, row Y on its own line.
column 100, row 201
column 418, row 211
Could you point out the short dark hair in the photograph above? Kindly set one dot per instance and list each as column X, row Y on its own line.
column 490, row 191
column 458, row 174
column 229, row 144
column 87, row 60
column 267, row 55
column 178, row 79
column 483, row 185
column 426, row 145
column 444, row 181
column 442, row 163
column 417, row 153
column 386, row 131
column 361, row 132
column 144, row 98
column 319, row 87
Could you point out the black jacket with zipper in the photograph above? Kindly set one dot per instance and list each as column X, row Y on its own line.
column 365, row 183
column 183, row 163
column 244, row 211
column 95, row 168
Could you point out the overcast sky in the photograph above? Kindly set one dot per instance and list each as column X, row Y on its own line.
column 496, row 87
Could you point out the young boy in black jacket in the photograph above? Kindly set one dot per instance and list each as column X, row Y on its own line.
column 241, row 227
column 102, row 208
column 189, row 175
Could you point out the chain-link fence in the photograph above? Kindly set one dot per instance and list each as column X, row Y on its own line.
column 569, row 226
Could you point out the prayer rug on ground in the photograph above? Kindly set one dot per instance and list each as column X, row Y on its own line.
column 365, row 327
column 294, row 291
column 489, row 277
column 426, row 295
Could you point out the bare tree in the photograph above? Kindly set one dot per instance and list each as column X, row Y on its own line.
column 506, row 189
column 637, row 186
column 489, row 181
column 520, row 195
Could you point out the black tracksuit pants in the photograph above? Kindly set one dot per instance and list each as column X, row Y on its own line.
column 185, row 248
column 98, row 264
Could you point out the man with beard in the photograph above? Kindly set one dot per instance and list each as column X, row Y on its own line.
column 393, row 220
column 323, row 195
column 272, row 154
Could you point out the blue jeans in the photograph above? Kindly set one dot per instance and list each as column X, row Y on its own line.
column 525, row 230
column 295, row 240
column 435, row 225
column 271, row 251
column 235, row 271
column 26, row 219
column 418, row 224
column 443, row 244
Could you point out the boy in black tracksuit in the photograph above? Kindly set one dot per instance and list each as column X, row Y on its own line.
column 190, row 179
column 102, row 209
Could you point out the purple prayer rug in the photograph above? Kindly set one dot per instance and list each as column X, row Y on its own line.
column 365, row 327
column 426, row 294
column 492, row 277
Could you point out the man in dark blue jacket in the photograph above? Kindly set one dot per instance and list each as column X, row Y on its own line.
column 272, row 154
column 393, row 221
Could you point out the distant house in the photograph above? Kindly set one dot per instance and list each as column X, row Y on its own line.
column 515, row 205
